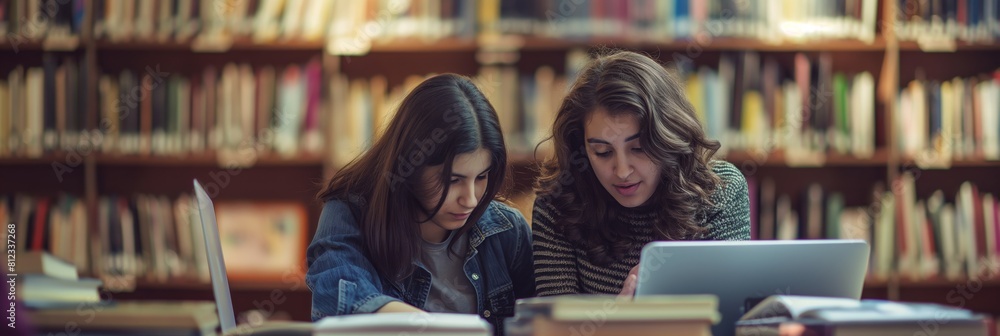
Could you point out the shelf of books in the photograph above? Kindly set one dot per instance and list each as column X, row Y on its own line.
column 864, row 119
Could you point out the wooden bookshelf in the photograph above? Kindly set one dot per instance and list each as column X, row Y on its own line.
column 538, row 43
column 30, row 161
column 709, row 44
column 209, row 160
column 12, row 45
column 235, row 46
column 298, row 178
column 959, row 46
column 972, row 162
column 780, row 158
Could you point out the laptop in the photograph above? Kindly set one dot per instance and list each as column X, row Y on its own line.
column 220, row 281
column 743, row 273
column 373, row 324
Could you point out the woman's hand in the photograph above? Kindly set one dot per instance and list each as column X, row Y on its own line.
column 398, row 307
column 628, row 289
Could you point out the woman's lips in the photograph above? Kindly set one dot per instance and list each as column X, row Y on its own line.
column 627, row 189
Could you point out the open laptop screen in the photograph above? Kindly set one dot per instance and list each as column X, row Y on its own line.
column 742, row 273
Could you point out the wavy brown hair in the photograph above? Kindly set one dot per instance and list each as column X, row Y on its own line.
column 444, row 116
column 627, row 82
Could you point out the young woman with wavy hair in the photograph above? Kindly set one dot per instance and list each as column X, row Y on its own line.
column 632, row 165
column 412, row 223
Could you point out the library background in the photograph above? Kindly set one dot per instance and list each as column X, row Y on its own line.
column 877, row 120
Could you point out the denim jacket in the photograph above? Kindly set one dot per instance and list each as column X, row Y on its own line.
column 343, row 281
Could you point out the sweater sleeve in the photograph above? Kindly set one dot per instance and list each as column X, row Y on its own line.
column 729, row 218
column 555, row 264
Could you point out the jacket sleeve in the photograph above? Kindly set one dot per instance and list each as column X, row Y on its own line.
column 342, row 280
column 522, row 269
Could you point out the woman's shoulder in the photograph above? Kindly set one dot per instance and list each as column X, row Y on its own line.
column 726, row 170
column 501, row 221
column 732, row 184
column 502, row 213
column 339, row 204
column 337, row 211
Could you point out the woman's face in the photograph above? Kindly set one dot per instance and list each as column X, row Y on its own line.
column 618, row 159
column 466, row 186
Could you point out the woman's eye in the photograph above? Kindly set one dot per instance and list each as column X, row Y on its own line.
column 602, row 154
column 637, row 150
column 453, row 181
column 481, row 177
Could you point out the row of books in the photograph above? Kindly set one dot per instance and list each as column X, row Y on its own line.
column 150, row 236
column 749, row 103
column 952, row 119
column 157, row 238
column 773, row 20
column 967, row 20
column 27, row 20
column 43, row 108
column 263, row 21
column 270, row 109
column 935, row 238
column 526, row 105
column 351, row 26
column 54, row 224
column 913, row 238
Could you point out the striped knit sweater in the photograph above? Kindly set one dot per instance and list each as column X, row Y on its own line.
column 564, row 268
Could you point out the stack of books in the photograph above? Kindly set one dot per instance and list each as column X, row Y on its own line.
column 45, row 282
column 609, row 315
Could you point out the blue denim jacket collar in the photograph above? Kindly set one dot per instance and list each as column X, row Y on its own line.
column 491, row 223
column 498, row 265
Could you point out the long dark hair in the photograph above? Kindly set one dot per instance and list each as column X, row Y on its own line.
column 443, row 117
column 627, row 82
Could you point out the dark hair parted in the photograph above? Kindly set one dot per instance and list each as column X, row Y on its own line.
column 670, row 134
column 446, row 115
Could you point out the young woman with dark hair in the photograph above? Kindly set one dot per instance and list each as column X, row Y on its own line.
column 412, row 223
column 632, row 165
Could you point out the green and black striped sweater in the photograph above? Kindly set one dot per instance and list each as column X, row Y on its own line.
column 562, row 267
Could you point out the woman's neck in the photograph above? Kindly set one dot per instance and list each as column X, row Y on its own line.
column 432, row 233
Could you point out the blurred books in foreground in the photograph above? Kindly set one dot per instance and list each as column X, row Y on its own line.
column 821, row 316
column 45, row 281
column 130, row 317
column 609, row 315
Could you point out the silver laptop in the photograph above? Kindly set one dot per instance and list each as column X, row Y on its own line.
column 742, row 273
column 220, row 282
column 358, row 324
